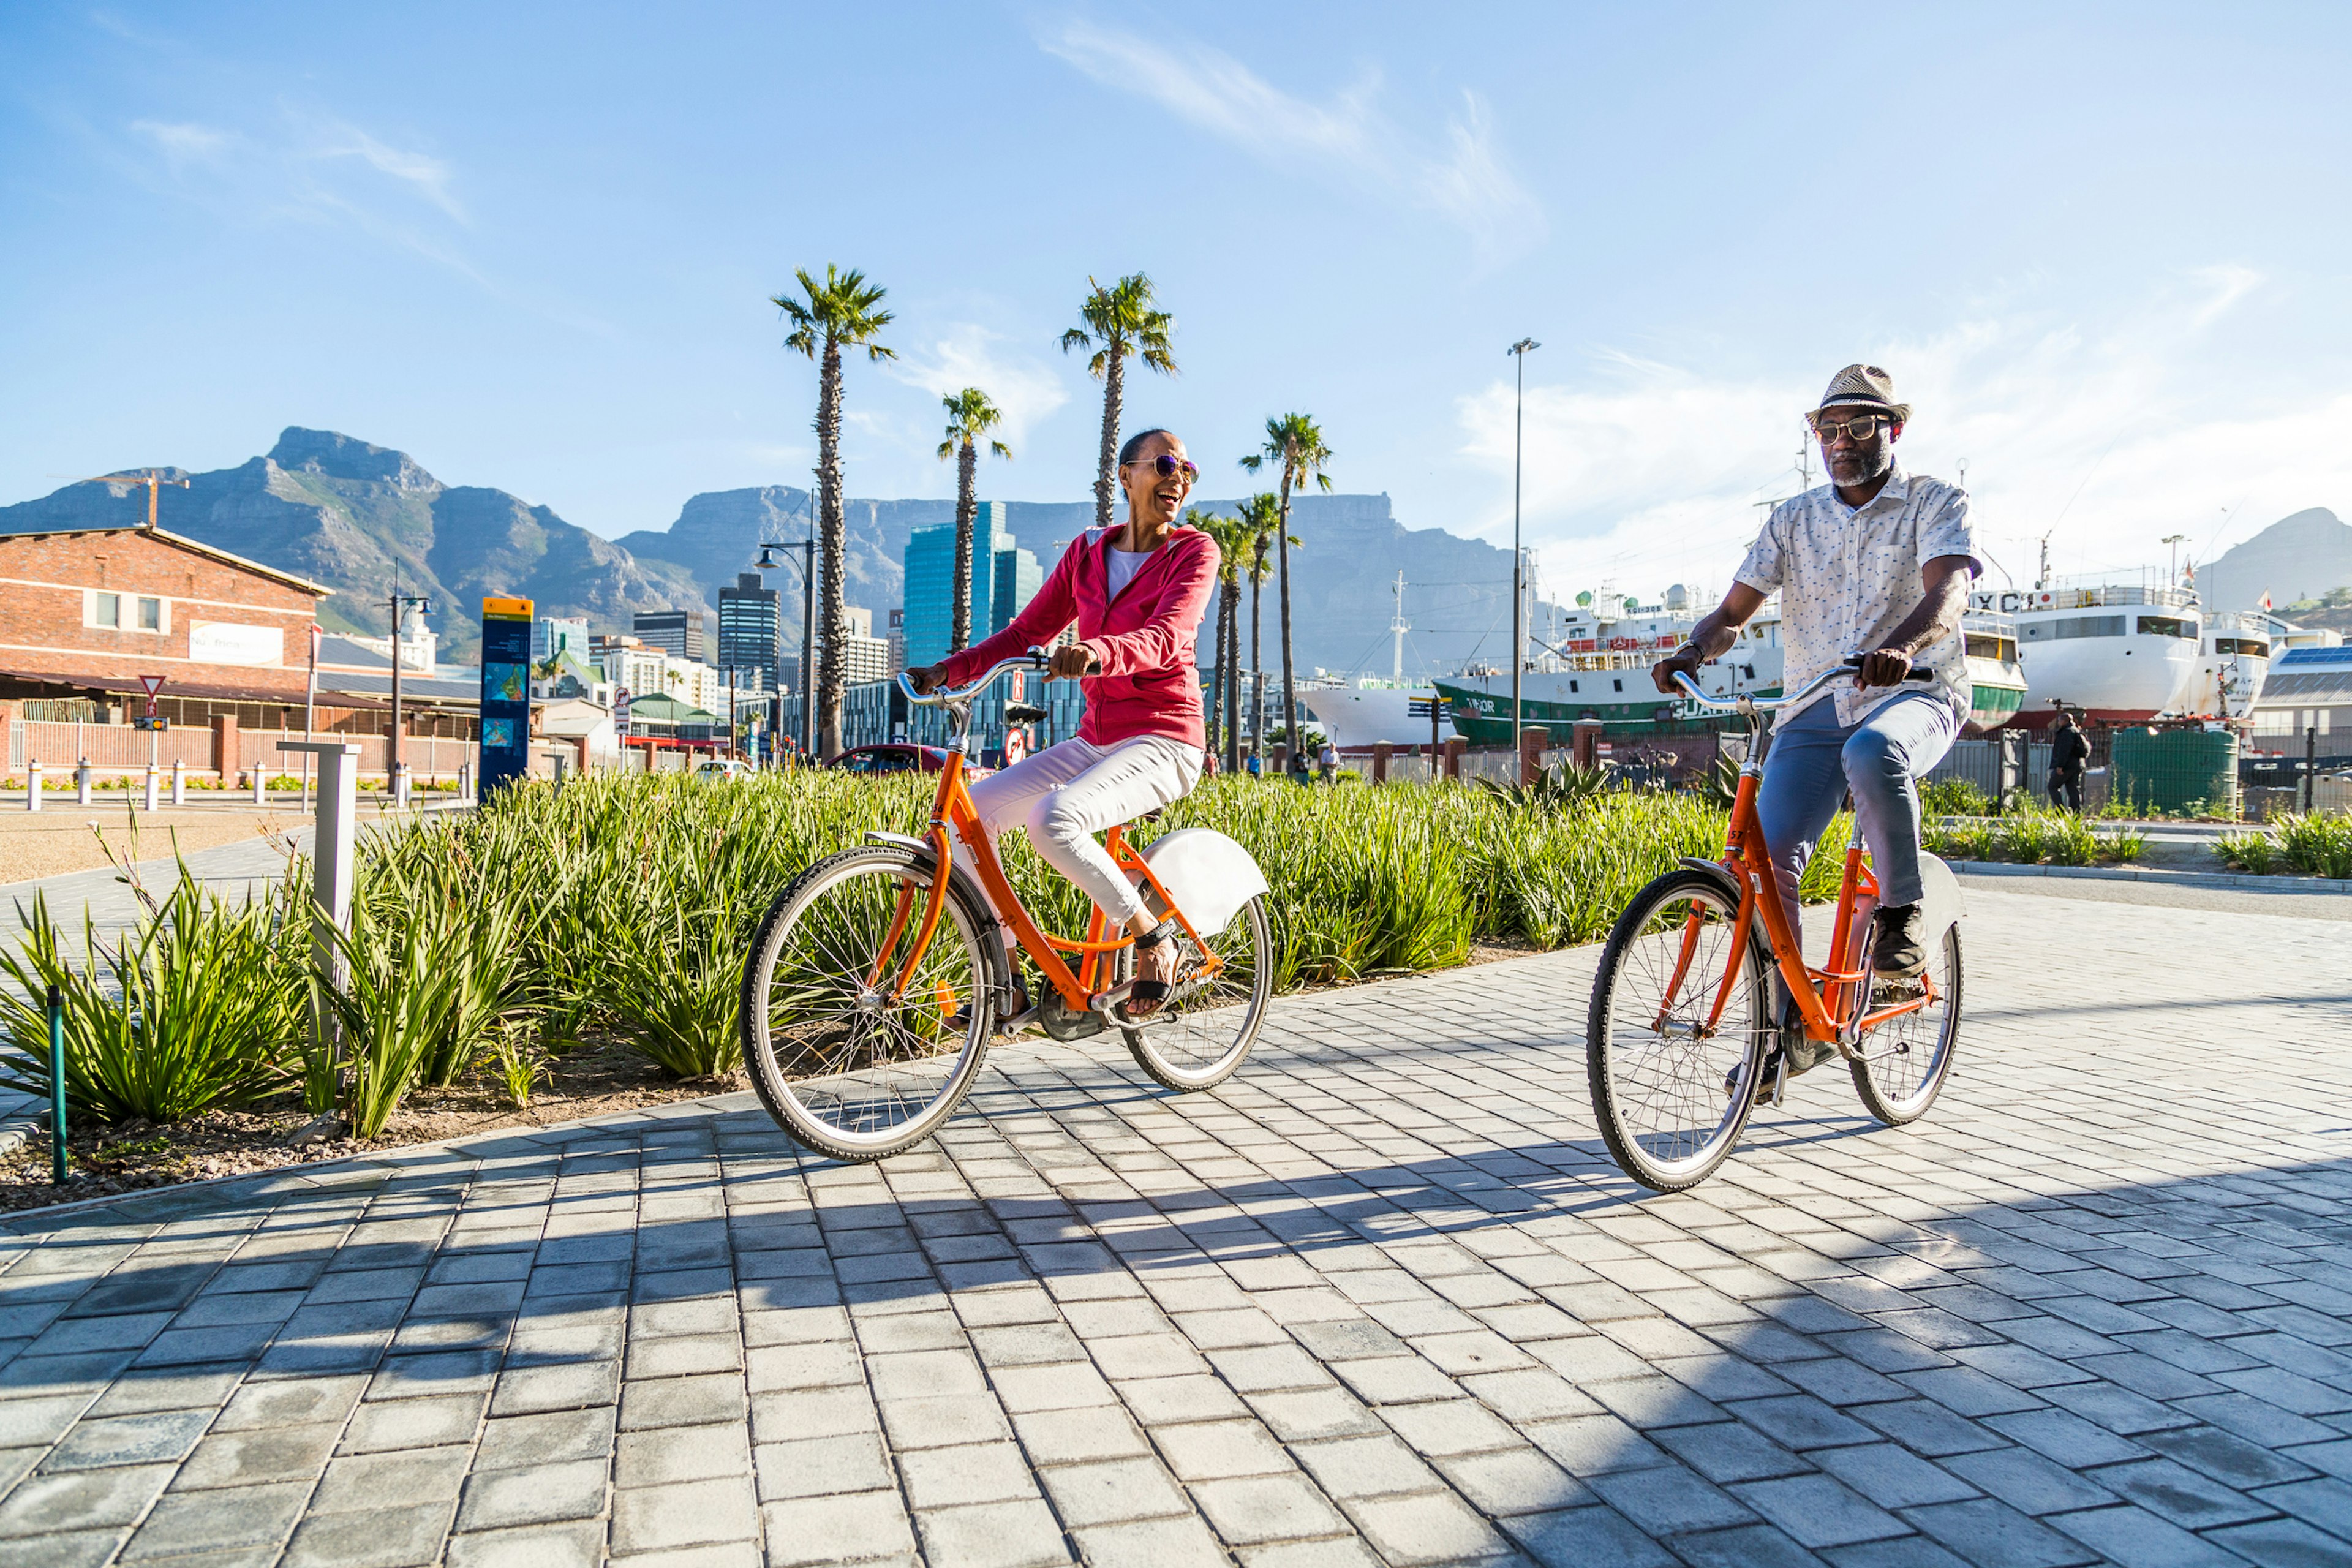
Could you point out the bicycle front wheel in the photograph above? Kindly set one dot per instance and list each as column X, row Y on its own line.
column 1202, row 1033
column 1905, row 1060
column 1671, row 1091
column 851, row 1055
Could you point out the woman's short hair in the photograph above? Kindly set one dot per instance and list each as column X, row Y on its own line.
column 1135, row 443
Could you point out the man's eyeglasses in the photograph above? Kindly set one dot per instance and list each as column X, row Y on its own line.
column 1166, row 466
column 1862, row 427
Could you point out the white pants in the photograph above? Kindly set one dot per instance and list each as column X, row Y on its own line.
column 1066, row 795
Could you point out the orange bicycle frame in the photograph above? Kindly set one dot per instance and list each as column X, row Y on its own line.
column 1827, row 998
column 952, row 810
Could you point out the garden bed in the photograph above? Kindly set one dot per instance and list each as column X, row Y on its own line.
column 2035, row 838
column 2292, row 846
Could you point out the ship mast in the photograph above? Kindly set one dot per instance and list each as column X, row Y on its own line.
column 1398, row 627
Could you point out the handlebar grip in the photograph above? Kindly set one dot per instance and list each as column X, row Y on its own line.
column 1917, row 672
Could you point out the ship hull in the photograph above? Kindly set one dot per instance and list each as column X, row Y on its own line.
column 2115, row 680
column 1358, row 717
column 1480, row 706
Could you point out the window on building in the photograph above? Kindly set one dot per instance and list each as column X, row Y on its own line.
column 108, row 611
column 151, row 614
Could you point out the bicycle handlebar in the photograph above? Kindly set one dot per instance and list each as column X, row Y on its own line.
column 1768, row 704
column 1036, row 658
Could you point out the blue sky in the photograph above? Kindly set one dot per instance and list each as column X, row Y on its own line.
column 2103, row 251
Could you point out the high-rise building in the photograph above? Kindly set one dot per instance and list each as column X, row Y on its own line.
column 677, row 632
column 1003, row 578
column 897, row 641
column 1018, row 578
column 864, row 656
column 552, row 635
column 751, row 633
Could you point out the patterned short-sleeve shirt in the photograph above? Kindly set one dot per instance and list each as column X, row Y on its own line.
column 1847, row 576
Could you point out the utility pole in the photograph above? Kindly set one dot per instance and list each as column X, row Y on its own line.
column 806, row 549
column 1519, row 351
column 1397, row 628
column 393, row 768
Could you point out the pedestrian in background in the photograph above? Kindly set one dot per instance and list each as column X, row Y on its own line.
column 2068, row 754
column 1327, row 761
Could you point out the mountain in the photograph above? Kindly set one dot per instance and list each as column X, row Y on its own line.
column 2298, row 557
column 1457, row 591
column 358, row 517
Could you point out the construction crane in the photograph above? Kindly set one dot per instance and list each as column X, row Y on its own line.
column 150, row 478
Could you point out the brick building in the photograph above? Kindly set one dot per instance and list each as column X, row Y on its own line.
column 85, row 613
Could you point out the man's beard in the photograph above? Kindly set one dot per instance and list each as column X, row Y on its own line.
column 1863, row 467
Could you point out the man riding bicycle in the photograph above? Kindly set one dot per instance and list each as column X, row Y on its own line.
column 1877, row 562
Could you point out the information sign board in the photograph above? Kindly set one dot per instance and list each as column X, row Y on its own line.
column 504, row 755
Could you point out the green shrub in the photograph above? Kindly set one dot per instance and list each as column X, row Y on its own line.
column 2319, row 845
column 1954, row 797
column 198, row 1005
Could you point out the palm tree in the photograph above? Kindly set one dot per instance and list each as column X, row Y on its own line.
column 843, row 309
column 1120, row 321
column 1294, row 441
column 1225, row 533
column 970, row 415
column 1261, row 519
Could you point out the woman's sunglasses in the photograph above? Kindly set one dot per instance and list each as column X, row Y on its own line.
column 1166, row 467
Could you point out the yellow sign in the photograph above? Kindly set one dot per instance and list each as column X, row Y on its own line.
column 507, row 609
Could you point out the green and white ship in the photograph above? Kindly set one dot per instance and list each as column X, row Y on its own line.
column 1599, row 669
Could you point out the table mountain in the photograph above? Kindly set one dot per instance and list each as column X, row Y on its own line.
column 356, row 517
column 2300, row 556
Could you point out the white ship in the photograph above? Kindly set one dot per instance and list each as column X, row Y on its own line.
column 2121, row 654
column 1359, row 717
column 2234, row 658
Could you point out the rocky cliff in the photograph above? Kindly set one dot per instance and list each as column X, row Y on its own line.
column 358, row 517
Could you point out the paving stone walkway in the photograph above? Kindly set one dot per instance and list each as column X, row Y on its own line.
column 1381, row 1300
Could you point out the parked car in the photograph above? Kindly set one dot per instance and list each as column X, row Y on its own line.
column 721, row 768
column 899, row 758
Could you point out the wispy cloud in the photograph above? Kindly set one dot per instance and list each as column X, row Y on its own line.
column 1463, row 177
column 2106, row 434
column 428, row 176
column 183, row 144
column 1025, row 389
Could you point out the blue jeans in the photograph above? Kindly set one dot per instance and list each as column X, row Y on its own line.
column 1813, row 760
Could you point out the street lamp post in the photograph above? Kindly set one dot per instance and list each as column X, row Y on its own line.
column 807, row 564
column 2174, row 541
column 1519, row 352
column 401, row 603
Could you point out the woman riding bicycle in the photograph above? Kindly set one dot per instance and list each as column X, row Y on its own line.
column 1138, row 593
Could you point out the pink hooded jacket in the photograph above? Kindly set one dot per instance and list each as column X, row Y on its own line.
column 1144, row 639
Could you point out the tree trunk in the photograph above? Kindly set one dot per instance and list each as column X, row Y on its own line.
column 1257, row 669
column 1107, row 464
column 1217, row 660
column 832, row 627
column 967, row 477
column 1230, row 658
column 1282, row 553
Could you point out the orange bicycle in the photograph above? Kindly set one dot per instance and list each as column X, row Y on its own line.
column 876, row 980
column 1683, row 1023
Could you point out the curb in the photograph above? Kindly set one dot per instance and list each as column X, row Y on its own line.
column 386, row 1162
column 2154, row 874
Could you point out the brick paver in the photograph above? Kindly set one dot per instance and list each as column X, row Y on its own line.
column 1382, row 1299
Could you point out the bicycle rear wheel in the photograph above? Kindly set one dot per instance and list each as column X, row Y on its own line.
column 1671, row 1095
column 847, row 1060
column 1905, row 1060
column 1202, row 1034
